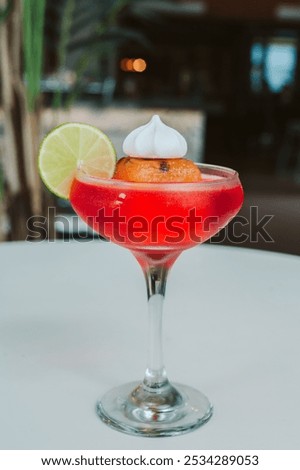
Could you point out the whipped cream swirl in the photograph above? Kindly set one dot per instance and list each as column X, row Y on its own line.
column 155, row 140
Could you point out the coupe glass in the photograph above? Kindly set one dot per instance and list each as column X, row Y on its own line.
column 156, row 222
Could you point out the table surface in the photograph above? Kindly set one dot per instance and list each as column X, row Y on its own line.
column 73, row 325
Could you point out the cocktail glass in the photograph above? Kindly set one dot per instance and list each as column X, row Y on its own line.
column 156, row 222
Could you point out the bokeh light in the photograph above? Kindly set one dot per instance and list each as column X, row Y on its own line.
column 139, row 65
column 133, row 64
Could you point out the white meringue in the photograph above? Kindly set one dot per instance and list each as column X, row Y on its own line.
column 155, row 140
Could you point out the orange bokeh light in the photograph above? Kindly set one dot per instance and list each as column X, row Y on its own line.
column 139, row 65
column 126, row 64
column 133, row 65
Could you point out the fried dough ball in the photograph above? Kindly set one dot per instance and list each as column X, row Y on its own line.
column 157, row 170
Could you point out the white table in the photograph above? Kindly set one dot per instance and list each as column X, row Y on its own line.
column 72, row 325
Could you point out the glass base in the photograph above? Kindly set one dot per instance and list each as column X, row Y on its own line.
column 134, row 408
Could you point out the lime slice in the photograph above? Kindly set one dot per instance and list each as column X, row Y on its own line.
column 69, row 146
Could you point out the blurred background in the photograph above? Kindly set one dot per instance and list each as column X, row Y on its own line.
column 225, row 73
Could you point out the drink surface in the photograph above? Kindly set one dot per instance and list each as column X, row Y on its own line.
column 157, row 217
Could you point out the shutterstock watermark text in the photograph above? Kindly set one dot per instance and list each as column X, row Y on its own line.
column 138, row 229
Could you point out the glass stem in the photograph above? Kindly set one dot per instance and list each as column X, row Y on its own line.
column 155, row 398
column 156, row 278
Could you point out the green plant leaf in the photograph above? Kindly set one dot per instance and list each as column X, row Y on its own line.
column 33, row 34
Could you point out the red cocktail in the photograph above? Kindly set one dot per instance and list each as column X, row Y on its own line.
column 154, row 217
column 157, row 221
column 156, row 203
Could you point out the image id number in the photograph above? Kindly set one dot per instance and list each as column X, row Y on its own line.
column 221, row 460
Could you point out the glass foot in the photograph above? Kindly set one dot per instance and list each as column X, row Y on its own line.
column 134, row 408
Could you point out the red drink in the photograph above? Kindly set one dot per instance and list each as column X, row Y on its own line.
column 157, row 221
column 156, row 217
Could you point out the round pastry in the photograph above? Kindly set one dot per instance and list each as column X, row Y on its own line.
column 157, row 170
